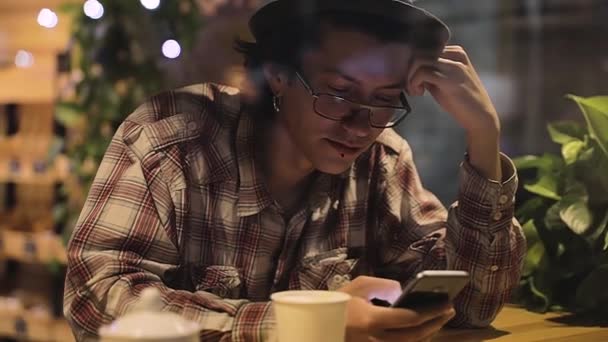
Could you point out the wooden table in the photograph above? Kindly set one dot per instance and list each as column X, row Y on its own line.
column 515, row 324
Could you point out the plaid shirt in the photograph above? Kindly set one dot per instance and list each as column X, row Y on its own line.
column 177, row 204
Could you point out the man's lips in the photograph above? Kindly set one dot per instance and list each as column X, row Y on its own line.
column 345, row 148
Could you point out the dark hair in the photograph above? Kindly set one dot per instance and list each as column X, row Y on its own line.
column 286, row 45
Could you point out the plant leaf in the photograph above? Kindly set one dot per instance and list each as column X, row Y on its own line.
column 575, row 191
column 571, row 151
column 549, row 166
column 590, row 168
column 563, row 132
column 546, row 186
column 532, row 208
column 67, row 114
column 530, row 232
column 553, row 221
column 595, row 111
column 545, row 162
column 577, row 217
column 533, row 258
column 540, row 294
column 573, row 208
column 597, row 231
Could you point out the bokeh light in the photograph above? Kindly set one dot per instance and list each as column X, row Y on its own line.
column 47, row 18
column 150, row 4
column 171, row 49
column 93, row 9
column 24, row 59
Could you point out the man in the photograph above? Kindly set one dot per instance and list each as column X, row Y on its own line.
column 219, row 197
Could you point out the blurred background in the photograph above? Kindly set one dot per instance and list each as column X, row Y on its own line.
column 71, row 70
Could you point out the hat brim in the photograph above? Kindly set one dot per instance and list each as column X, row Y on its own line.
column 284, row 12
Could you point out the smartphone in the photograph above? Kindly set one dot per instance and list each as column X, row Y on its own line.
column 431, row 288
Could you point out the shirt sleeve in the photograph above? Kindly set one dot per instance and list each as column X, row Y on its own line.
column 478, row 233
column 126, row 240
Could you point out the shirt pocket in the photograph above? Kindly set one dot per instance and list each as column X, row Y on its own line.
column 327, row 270
column 403, row 261
column 223, row 281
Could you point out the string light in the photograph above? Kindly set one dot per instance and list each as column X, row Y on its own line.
column 171, row 49
column 150, row 4
column 93, row 9
column 24, row 59
column 47, row 18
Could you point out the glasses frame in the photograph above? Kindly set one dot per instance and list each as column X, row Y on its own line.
column 358, row 106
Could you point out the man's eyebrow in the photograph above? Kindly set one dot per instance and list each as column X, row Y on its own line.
column 400, row 85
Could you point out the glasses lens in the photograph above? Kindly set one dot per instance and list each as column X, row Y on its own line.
column 386, row 117
column 332, row 107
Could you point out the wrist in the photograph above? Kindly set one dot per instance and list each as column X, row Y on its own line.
column 484, row 155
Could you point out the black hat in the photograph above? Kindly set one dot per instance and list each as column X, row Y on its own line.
column 277, row 13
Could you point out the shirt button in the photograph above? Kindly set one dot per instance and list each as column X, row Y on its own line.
column 503, row 199
column 494, row 268
column 192, row 126
column 497, row 216
column 335, row 282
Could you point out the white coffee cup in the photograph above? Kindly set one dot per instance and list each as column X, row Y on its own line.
column 305, row 316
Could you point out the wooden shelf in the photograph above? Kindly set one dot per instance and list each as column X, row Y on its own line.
column 32, row 325
column 41, row 247
column 35, row 84
column 22, row 160
column 28, row 174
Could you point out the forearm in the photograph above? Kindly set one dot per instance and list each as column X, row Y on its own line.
column 484, row 153
column 106, row 296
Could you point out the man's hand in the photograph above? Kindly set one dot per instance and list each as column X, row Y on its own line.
column 366, row 322
column 452, row 80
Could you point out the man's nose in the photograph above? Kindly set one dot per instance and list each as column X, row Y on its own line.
column 358, row 123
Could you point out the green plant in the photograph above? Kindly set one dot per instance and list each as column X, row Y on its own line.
column 115, row 63
column 566, row 218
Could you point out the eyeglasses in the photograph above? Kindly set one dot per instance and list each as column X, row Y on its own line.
column 337, row 108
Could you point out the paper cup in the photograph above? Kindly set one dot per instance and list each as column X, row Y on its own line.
column 305, row 316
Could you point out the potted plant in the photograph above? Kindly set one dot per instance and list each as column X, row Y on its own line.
column 565, row 217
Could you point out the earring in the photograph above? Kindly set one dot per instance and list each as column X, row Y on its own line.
column 276, row 102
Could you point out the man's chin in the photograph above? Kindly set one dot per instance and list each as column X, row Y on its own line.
column 334, row 167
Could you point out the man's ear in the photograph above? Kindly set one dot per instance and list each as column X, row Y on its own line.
column 277, row 77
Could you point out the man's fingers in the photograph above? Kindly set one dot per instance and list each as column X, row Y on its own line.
column 395, row 318
column 452, row 58
column 419, row 63
column 440, row 74
column 456, row 53
column 430, row 328
column 429, row 75
column 418, row 333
